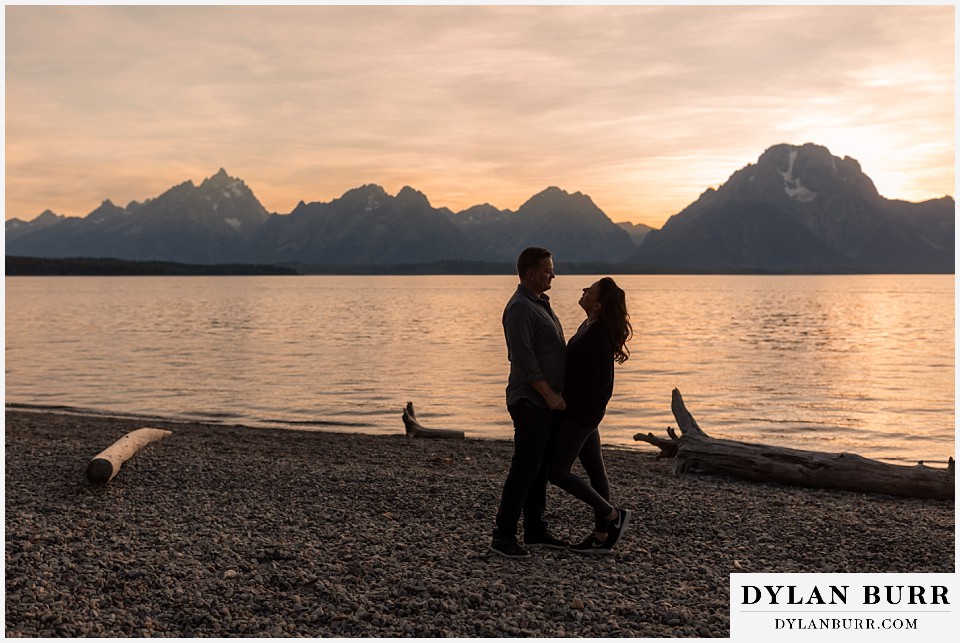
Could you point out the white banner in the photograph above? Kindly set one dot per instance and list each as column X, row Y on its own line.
column 848, row 607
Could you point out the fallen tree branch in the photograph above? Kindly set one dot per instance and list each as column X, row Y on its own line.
column 106, row 465
column 417, row 430
column 696, row 452
column 668, row 446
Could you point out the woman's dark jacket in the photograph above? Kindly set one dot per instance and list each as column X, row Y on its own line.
column 589, row 382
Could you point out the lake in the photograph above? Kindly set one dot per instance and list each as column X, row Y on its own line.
column 863, row 363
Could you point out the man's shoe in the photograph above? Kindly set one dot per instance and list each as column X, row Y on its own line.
column 508, row 548
column 616, row 527
column 591, row 545
column 546, row 539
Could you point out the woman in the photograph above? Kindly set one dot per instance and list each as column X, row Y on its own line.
column 598, row 343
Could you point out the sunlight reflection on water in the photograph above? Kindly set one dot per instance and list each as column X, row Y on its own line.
column 834, row 363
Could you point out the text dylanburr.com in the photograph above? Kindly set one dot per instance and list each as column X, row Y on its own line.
column 905, row 607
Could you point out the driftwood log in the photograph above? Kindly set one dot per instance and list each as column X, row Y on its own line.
column 417, row 430
column 696, row 452
column 107, row 463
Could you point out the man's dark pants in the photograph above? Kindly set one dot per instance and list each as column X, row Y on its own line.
column 526, row 486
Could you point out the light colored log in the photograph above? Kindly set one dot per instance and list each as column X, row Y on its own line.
column 696, row 452
column 417, row 430
column 107, row 463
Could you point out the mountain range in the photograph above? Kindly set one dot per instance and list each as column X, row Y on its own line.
column 800, row 208
column 797, row 209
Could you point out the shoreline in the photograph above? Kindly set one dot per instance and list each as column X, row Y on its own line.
column 230, row 530
column 333, row 427
column 639, row 447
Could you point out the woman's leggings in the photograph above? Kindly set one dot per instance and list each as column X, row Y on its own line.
column 569, row 442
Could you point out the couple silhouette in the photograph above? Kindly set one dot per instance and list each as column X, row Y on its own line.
column 557, row 394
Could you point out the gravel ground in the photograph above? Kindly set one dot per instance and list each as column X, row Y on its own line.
column 233, row 531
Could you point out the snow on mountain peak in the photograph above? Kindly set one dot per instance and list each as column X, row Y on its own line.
column 233, row 189
column 792, row 186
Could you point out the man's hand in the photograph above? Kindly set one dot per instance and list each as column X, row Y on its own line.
column 556, row 403
column 551, row 397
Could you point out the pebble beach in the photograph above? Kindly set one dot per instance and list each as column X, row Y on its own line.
column 233, row 531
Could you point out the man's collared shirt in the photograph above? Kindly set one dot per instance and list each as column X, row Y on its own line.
column 535, row 346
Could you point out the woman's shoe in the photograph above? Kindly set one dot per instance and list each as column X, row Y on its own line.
column 616, row 527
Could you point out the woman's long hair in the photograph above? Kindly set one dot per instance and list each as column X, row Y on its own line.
column 614, row 316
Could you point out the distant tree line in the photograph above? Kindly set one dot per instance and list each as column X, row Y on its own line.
column 462, row 267
column 104, row 267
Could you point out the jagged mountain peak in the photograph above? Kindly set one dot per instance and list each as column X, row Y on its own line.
column 370, row 196
column 484, row 209
column 223, row 185
column 47, row 217
column 220, row 178
column 365, row 225
column 107, row 210
column 178, row 192
column 16, row 228
column 411, row 197
column 554, row 192
column 776, row 153
column 809, row 171
column 478, row 215
column 557, row 203
column 366, row 198
column 810, row 153
column 364, row 191
column 109, row 206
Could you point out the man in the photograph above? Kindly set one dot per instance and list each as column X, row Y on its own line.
column 536, row 351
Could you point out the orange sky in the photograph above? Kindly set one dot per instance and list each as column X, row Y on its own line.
column 640, row 107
